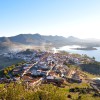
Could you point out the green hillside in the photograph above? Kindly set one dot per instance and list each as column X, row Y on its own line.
column 14, row 91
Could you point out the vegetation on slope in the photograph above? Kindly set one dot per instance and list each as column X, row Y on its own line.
column 93, row 68
column 15, row 91
column 5, row 62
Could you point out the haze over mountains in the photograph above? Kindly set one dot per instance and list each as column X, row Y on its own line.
column 28, row 40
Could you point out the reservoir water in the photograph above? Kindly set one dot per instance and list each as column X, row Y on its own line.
column 90, row 53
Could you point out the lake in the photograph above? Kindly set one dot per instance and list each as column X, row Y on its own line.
column 90, row 53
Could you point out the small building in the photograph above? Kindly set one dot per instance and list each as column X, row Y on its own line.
column 54, row 80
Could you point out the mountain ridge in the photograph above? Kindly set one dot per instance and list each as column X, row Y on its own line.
column 41, row 40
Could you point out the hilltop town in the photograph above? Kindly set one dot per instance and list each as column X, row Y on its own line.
column 60, row 69
column 41, row 67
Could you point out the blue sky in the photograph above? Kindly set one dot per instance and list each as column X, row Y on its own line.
column 80, row 18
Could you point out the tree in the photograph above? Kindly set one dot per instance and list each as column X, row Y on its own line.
column 93, row 58
column 5, row 72
column 7, row 76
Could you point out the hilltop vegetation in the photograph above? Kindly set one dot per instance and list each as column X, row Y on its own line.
column 15, row 91
column 20, row 92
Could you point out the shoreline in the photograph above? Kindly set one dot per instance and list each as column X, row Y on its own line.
column 86, row 48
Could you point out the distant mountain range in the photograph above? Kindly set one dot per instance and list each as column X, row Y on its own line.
column 22, row 40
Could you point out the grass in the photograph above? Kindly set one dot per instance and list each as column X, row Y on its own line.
column 75, row 95
column 2, row 85
column 90, row 75
column 81, row 85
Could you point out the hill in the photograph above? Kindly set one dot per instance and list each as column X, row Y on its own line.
column 23, row 40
